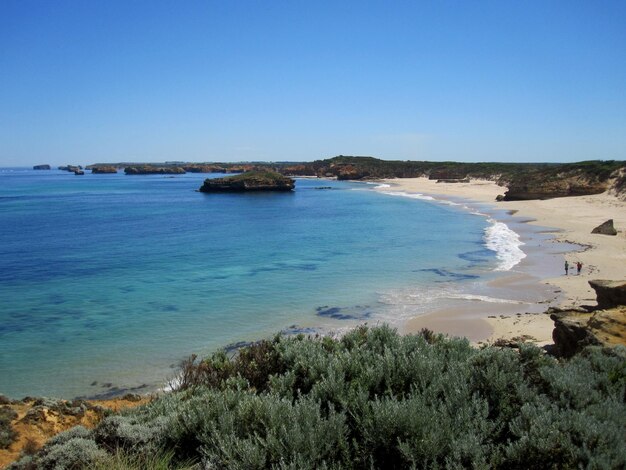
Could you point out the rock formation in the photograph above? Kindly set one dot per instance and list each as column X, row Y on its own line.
column 71, row 168
column 603, row 325
column 153, row 170
column 103, row 169
column 251, row 181
column 41, row 167
column 609, row 293
column 547, row 188
column 605, row 228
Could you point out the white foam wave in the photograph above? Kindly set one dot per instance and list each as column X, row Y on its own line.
column 383, row 186
column 506, row 244
column 485, row 298
column 498, row 236
column 409, row 195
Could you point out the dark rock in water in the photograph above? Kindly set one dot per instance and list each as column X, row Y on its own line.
column 153, row 170
column 250, row 181
column 71, row 168
column 609, row 293
column 79, row 172
column 41, row 167
column 103, row 169
column 605, row 228
column 357, row 312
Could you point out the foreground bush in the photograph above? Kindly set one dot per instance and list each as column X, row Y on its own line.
column 7, row 433
column 372, row 399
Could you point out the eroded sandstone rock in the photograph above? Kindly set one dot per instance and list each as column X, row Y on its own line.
column 605, row 228
column 603, row 325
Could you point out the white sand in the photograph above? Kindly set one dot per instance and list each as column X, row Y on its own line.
column 571, row 219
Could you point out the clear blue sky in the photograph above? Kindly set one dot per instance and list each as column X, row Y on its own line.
column 91, row 81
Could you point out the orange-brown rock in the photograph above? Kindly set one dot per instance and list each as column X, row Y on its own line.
column 604, row 325
column 39, row 419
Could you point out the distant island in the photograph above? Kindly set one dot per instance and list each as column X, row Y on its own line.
column 249, row 181
column 41, row 167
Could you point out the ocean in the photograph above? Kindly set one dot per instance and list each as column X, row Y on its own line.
column 108, row 281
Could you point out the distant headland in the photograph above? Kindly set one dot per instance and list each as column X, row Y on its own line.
column 524, row 181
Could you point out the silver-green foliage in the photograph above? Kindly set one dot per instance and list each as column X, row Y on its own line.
column 375, row 399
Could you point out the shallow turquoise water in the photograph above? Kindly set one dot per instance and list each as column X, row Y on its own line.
column 113, row 279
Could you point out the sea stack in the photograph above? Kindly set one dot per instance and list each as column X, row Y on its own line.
column 250, row 181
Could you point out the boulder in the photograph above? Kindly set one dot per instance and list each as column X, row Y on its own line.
column 609, row 293
column 250, row 181
column 41, row 167
column 605, row 228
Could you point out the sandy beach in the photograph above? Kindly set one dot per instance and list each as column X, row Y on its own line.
column 566, row 225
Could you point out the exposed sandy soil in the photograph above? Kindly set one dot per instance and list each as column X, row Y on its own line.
column 43, row 422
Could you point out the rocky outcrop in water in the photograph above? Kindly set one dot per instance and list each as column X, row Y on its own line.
column 103, row 169
column 605, row 228
column 41, row 167
column 603, row 325
column 71, row 168
column 251, row 181
column 153, row 170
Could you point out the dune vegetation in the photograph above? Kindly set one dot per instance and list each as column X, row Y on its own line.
column 371, row 399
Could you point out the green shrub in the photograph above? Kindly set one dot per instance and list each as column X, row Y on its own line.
column 375, row 399
column 7, row 433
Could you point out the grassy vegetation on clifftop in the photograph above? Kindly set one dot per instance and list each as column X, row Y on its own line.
column 372, row 399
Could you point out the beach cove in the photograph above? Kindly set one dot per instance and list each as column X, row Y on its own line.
column 123, row 282
column 552, row 231
column 109, row 280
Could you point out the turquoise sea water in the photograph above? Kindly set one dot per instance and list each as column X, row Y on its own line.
column 107, row 281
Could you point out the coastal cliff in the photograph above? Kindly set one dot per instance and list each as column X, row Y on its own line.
column 153, row 170
column 602, row 325
column 250, row 181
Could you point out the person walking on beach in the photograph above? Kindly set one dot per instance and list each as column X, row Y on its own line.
column 566, row 267
column 579, row 266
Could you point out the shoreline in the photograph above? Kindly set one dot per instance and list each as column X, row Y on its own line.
column 552, row 231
